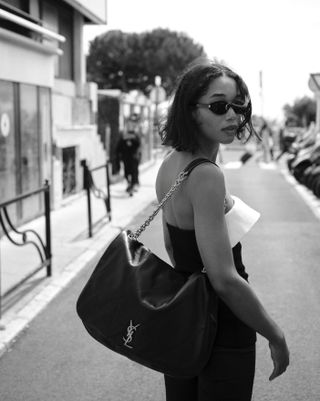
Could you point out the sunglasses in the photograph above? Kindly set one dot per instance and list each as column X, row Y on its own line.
column 221, row 107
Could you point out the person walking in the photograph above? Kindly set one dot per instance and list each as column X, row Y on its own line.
column 203, row 225
column 135, row 129
column 129, row 151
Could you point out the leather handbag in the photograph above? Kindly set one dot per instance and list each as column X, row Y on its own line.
column 137, row 305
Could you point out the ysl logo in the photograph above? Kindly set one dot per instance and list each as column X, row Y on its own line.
column 130, row 331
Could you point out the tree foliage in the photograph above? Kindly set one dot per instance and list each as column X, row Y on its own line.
column 302, row 111
column 128, row 61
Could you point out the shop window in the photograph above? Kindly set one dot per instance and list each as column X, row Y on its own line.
column 30, row 177
column 45, row 132
column 25, row 146
column 7, row 142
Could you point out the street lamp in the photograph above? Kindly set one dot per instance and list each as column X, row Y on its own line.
column 157, row 96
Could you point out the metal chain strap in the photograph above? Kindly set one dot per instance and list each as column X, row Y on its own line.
column 181, row 177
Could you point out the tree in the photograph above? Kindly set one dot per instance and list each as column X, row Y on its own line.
column 128, row 61
column 303, row 111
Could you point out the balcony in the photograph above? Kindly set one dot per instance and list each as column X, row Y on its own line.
column 21, row 23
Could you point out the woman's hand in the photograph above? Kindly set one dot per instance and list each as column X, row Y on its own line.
column 280, row 357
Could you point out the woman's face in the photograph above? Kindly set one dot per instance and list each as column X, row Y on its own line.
column 214, row 128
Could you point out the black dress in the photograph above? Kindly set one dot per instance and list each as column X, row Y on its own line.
column 232, row 332
column 229, row 373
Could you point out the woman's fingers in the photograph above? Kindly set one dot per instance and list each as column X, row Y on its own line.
column 280, row 358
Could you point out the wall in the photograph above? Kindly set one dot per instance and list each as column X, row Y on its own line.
column 17, row 51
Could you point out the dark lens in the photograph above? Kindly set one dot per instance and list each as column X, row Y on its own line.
column 239, row 109
column 219, row 107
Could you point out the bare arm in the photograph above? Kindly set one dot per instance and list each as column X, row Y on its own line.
column 166, row 236
column 167, row 241
column 206, row 190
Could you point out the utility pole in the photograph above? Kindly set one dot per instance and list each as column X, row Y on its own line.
column 261, row 92
column 157, row 96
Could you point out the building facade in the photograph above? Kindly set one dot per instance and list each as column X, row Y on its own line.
column 47, row 109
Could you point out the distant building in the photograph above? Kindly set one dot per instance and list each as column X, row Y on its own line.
column 47, row 109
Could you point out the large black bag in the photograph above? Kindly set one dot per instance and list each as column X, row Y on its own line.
column 139, row 306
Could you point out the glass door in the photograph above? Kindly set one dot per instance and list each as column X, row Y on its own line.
column 7, row 142
column 30, row 167
column 45, row 133
column 25, row 146
column 8, row 182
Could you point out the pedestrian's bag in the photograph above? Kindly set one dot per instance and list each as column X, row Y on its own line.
column 139, row 306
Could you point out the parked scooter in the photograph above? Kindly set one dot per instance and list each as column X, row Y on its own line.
column 301, row 145
column 311, row 175
column 304, row 161
column 286, row 141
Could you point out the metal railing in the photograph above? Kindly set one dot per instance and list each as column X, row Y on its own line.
column 89, row 186
column 24, row 236
column 30, row 25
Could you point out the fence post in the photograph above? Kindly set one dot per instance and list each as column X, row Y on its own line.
column 1, row 326
column 108, row 191
column 86, row 186
column 47, row 210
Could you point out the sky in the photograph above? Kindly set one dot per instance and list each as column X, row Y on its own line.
column 281, row 38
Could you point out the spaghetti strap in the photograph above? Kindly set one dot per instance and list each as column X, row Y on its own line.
column 196, row 163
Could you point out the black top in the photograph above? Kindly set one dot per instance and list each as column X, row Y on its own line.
column 232, row 332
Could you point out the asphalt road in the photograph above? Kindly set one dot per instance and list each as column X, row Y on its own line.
column 55, row 359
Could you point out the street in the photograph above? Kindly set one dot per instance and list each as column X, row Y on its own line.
column 55, row 359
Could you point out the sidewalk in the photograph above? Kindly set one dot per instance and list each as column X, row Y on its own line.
column 72, row 250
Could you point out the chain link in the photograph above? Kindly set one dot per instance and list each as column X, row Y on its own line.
column 181, row 177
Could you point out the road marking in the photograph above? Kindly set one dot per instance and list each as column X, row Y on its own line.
column 232, row 165
column 267, row 166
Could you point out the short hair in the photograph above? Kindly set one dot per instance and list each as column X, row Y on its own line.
column 180, row 129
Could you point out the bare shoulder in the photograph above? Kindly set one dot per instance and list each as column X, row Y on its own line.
column 206, row 184
column 163, row 175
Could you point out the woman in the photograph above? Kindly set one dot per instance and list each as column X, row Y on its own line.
column 211, row 106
